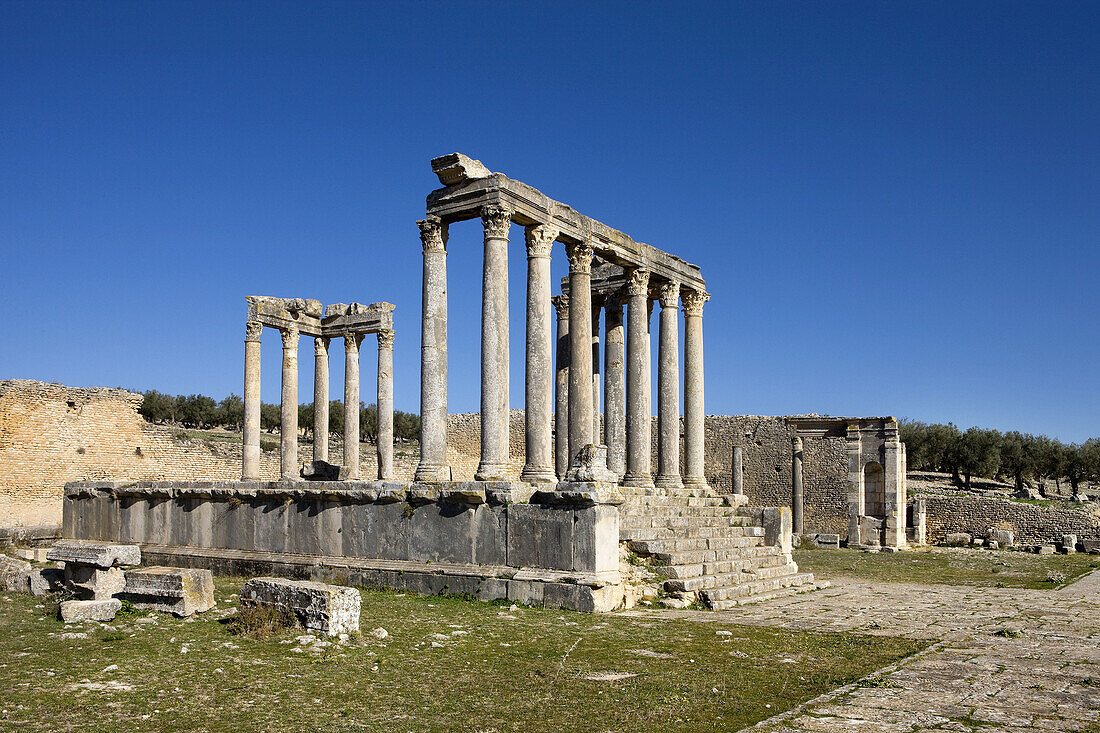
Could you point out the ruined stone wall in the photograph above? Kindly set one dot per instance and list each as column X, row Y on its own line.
column 464, row 445
column 1031, row 524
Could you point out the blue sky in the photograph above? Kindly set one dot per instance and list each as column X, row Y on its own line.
column 895, row 205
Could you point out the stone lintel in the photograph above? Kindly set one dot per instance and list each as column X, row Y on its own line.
column 463, row 200
column 814, row 426
column 338, row 319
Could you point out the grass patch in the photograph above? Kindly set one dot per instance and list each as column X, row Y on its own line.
column 261, row 622
column 982, row 568
column 505, row 669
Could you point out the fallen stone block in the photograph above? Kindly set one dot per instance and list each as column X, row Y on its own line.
column 329, row 609
column 958, row 538
column 96, row 554
column 89, row 582
column 46, row 580
column 829, row 541
column 180, row 591
column 1003, row 537
column 14, row 574
column 993, row 545
column 76, row 611
column 34, row 554
column 1090, row 545
column 1045, row 549
column 1069, row 543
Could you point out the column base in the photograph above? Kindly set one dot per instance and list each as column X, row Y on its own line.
column 638, row 481
column 491, row 472
column 431, row 473
column 668, row 482
column 538, row 475
column 695, row 481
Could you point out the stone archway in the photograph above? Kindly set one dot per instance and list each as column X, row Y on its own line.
column 874, row 485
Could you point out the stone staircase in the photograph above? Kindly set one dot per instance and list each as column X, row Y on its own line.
column 707, row 548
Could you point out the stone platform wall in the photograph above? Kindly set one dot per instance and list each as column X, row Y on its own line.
column 1031, row 524
column 484, row 539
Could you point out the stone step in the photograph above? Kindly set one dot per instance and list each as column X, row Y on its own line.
column 694, row 570
column 678, row 501
column 690, row 511
column 748, row 575
column 640, row 521
column 669, row 533
column 792, row 590
column 682, row 544
column 691, row 557
column 711, row 596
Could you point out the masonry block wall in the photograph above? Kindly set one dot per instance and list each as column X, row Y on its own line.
column 1031, row 525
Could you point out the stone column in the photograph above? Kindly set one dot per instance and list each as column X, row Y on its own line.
column 385, row 404
column 797, row 502
column 856, row 498
column 320, row 399
column 288, row 428
column 433, row 354
column 614, row 393
column 894, row 499
column 694, row 410
column 351, row 405
column 597, row 305
column 580, row 345
column 668, row 391
column 561, row 386
column 639, row 416
column 538, row 397
column 250, row 465
column 494, row 345
column 738, row 475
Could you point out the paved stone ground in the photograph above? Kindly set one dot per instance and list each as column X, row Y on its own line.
column 1046, row 678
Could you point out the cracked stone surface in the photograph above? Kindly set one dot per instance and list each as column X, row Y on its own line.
column 1040, row 673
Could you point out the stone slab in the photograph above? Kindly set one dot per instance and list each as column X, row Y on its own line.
column 89, row 582
column 180, row 591
column 76, row 611
column 329, row 609
column 13, row 574
column 97, row 554
column 44, row 581
column 829, row 541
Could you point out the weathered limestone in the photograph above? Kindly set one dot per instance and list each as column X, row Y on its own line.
column 614, row 411
column 93, row 570
column 668, row 391
column 538, row 399
column 737, row 471
column 288, row 428
column 580, row 345
column 14, row 574
column 320, row 399
column 385, row 404
column 328, row 609
column 179, row 591
column 351, row 405
column 561, row 388
column 494, row 345
column 694, row 409
column 597, row 306
column 74, row 612
column 433, row 354
column 638, row 412
column 797, row 491
column 250, row 469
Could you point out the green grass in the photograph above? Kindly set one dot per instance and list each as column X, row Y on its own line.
column 522, row 673
column 1000, row 569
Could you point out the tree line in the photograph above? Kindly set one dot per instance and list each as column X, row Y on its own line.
column 200, row 412
column 1023, row 457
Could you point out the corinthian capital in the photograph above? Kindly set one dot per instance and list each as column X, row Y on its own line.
column 352, row 341
column 670, row 294
column 385, row 338
column 320, row 346
column 433, row 234
column 580, row 258
column 638, row 284
column 496, row 219
column 693, row 302
column 561, row 305
column 253, row 330
column 290, row 337
column 539, row 240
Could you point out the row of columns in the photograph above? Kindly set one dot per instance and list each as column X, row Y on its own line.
column 575, row 414
column 288, row 431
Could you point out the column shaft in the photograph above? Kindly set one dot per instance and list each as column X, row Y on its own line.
column 250, row 468
column 639, row 416
column 694, row 410
column 561, row 393
column 738, row 476
column 320, row 399
column 433, row 354
column 614, row 409
column 597, row 434
column 385, row 404
column 539, row 386
column 668, row 391
column 351, row 406
column 494, row 346
column 797, row 502
column 580, row 345
column 288, row 428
